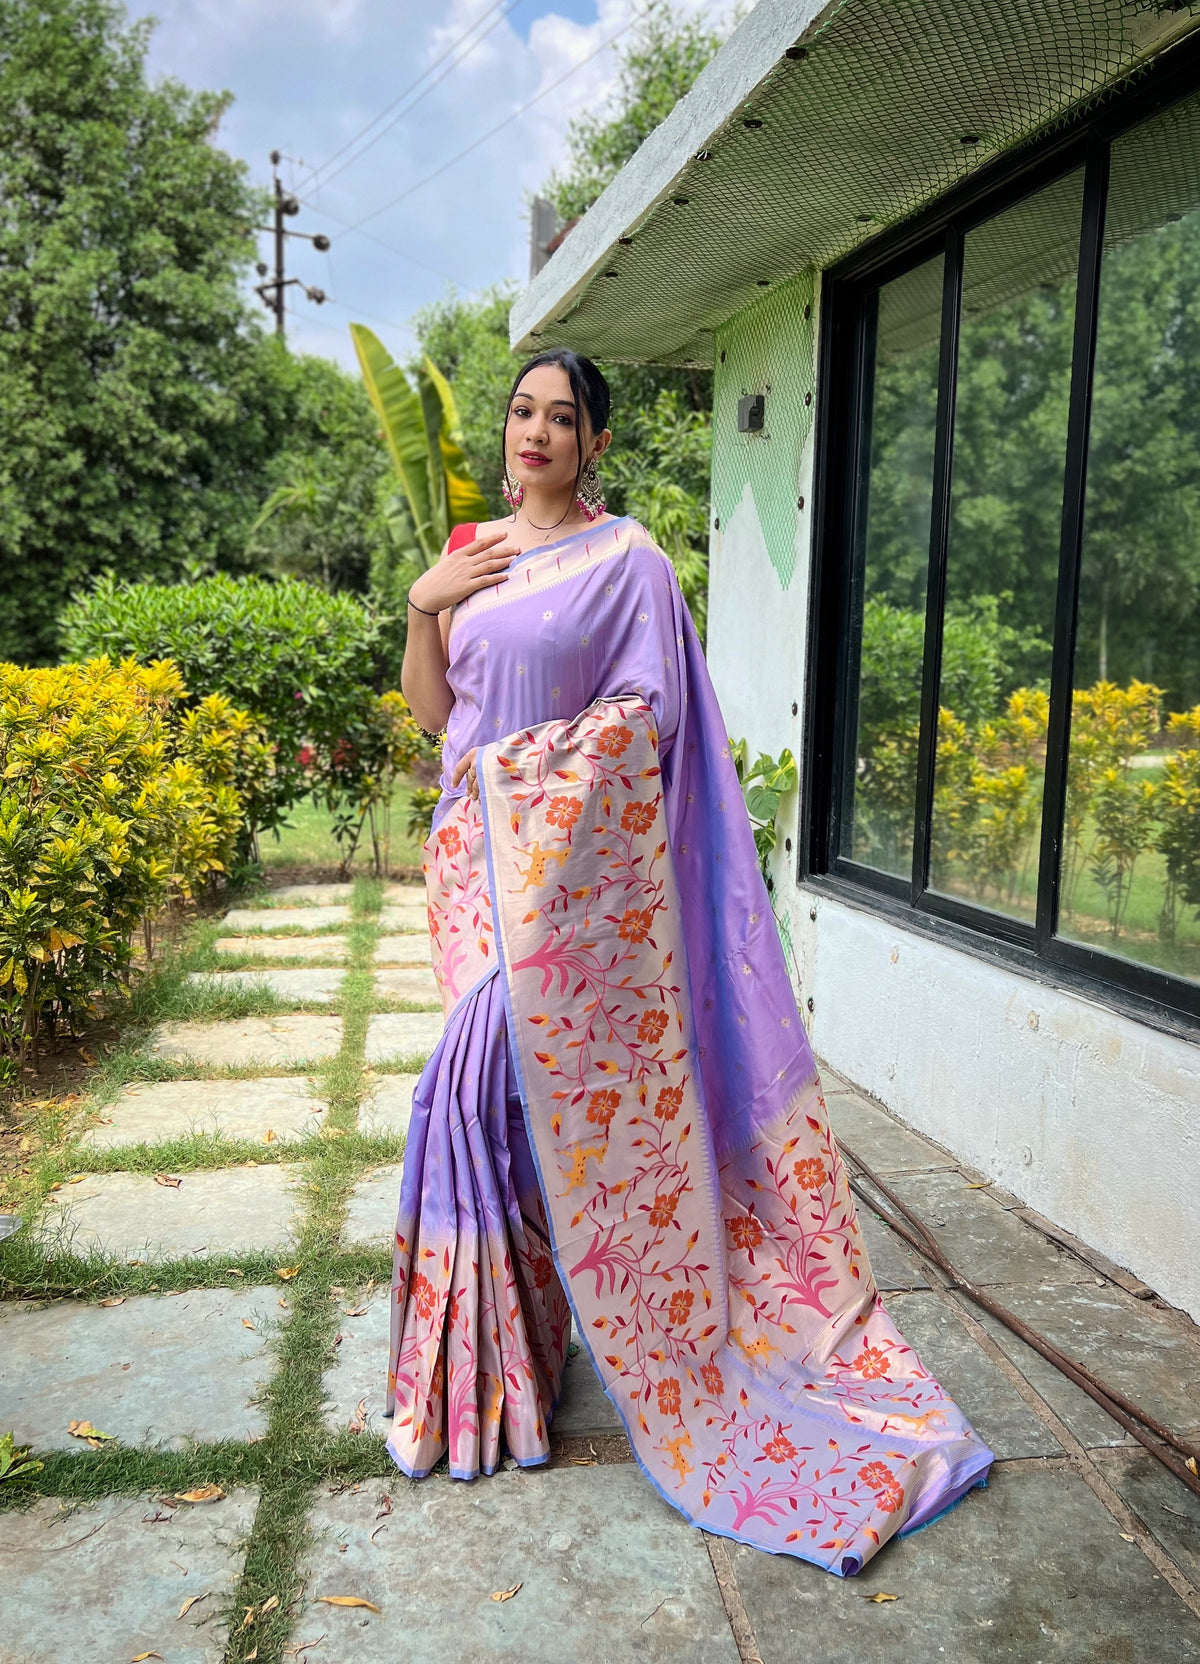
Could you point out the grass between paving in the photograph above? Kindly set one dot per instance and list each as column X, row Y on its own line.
column 297, row 1453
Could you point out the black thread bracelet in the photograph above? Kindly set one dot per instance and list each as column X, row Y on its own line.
column 425, row 610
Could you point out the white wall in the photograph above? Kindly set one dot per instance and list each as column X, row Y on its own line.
column 1089, row 1117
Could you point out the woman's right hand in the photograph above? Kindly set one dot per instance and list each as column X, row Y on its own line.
column 462, row 571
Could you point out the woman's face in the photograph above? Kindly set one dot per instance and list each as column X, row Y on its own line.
column 539, row 436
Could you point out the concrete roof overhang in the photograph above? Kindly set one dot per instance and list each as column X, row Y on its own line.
column 815, row 127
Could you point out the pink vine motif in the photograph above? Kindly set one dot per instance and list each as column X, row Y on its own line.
column 461, row 929
column 732, row 1314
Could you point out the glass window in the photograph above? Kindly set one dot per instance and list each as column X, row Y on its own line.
column 1013, row 389
column 1131, row 848
column 901, row 329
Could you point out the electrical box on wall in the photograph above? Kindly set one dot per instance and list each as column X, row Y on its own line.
column 752, row 411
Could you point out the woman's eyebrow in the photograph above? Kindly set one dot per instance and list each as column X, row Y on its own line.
column 570, row 403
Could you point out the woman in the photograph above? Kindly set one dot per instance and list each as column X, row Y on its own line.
column 623, row 1119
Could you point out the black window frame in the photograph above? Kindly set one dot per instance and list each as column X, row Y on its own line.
column 843, row 381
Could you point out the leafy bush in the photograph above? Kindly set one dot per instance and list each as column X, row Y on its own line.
column 109, row 807
column 305, row 664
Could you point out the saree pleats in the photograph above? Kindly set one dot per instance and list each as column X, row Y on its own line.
column 480, row 1323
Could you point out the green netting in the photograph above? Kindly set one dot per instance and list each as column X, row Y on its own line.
column 769, row 348
column 845, row 141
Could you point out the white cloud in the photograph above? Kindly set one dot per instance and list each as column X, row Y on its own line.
column 307, row 75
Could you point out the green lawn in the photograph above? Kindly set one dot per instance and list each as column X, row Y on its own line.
column 308, row 841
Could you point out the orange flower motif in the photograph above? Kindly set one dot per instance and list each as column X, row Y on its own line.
column 663, row 1210
column 666, row 1107
column 668, row 1397
column 543, row 1270
column 438, row 1379
column 449, row 839
column 745, row 1231
column 871, row 1363
column 780, row 1448
column 637, row 817
column 680, row 1308
column 810, row 1173
column 452, row 1311
column 564, row 812
column 652, row 1026
column 711, row 1375
column 889, row 1492
column 424, row 1294
column 635, row 926
column 603, row 1107
column 614, row 739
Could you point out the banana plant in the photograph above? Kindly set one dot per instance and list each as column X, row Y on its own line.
column 421, row 429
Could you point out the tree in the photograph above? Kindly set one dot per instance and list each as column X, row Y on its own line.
column 325, row 518
column 137, row 398
column 665, row 54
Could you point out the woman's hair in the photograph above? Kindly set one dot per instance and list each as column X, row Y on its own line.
column 590, row 392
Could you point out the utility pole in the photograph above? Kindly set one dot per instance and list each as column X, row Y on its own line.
column 271, row 291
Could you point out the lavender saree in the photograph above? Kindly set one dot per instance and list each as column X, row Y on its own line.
column 623, row 1120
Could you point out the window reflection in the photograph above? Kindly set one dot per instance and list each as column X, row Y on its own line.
column 893, row 558
column 1131, row 849
column 1010, row 439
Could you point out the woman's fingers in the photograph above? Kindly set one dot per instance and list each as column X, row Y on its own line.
column 462, row 765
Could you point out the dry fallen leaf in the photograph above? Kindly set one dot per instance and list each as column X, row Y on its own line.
column 1125, row 1537
column 234, row 1272
column 138, row 1657
column 1191, row 1466
column 192, row 1600
column 115, row 1300
column 251, row 1655
column 166, row 1178
column 358, row 1421
column 248, row 1324
column 269, row 1136
column 268, row 1606
column 202, row 1493
column 507, row 1594
column 287, row 1272
column 93, row 1435
column 878, row 1598
column 78, row 1179
column 349, row 1600
column 359, row 1311
column 982, row 1186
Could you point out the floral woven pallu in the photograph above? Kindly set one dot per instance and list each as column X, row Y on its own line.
column 623, row 1121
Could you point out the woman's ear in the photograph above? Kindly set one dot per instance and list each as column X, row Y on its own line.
column 601, row 443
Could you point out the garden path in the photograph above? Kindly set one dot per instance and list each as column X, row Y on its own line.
column 225, row 1237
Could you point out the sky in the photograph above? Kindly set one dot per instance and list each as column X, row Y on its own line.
column 308, row 76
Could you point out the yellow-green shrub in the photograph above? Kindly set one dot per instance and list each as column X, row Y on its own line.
column 111, row 803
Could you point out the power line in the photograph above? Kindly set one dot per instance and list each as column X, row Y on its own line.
column 371, row 237
column 503, row 7
column 492, row 131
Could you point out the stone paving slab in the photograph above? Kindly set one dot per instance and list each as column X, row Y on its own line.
column 404, row 895
column 388, row 1106
column 1151, row 1356
column 412, row 917
column 608, row 1572
column 224, row 1210
column 404, row 950
column 879, row 1139
column 1032, row 1570
column 159, row 1370
column 985, row 1242
column 402, row 1034
column 411, row 982
column 284, row 947
column 359, row 1375
column 982, row 1392
column 154, row 1111
column 584, row 1409
column 246, row 1041
column 1169, row 1511
column 307, row 895
column 371, row 1210
column 101, row 1583
column 893, row 1265
column 303, row 986
column 285, row 918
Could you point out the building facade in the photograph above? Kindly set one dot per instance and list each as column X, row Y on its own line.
column 944, row 262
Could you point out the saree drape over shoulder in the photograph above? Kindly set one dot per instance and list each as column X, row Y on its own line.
column 623, row 1120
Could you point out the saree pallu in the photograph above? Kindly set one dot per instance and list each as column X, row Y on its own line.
column 623, row 1120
